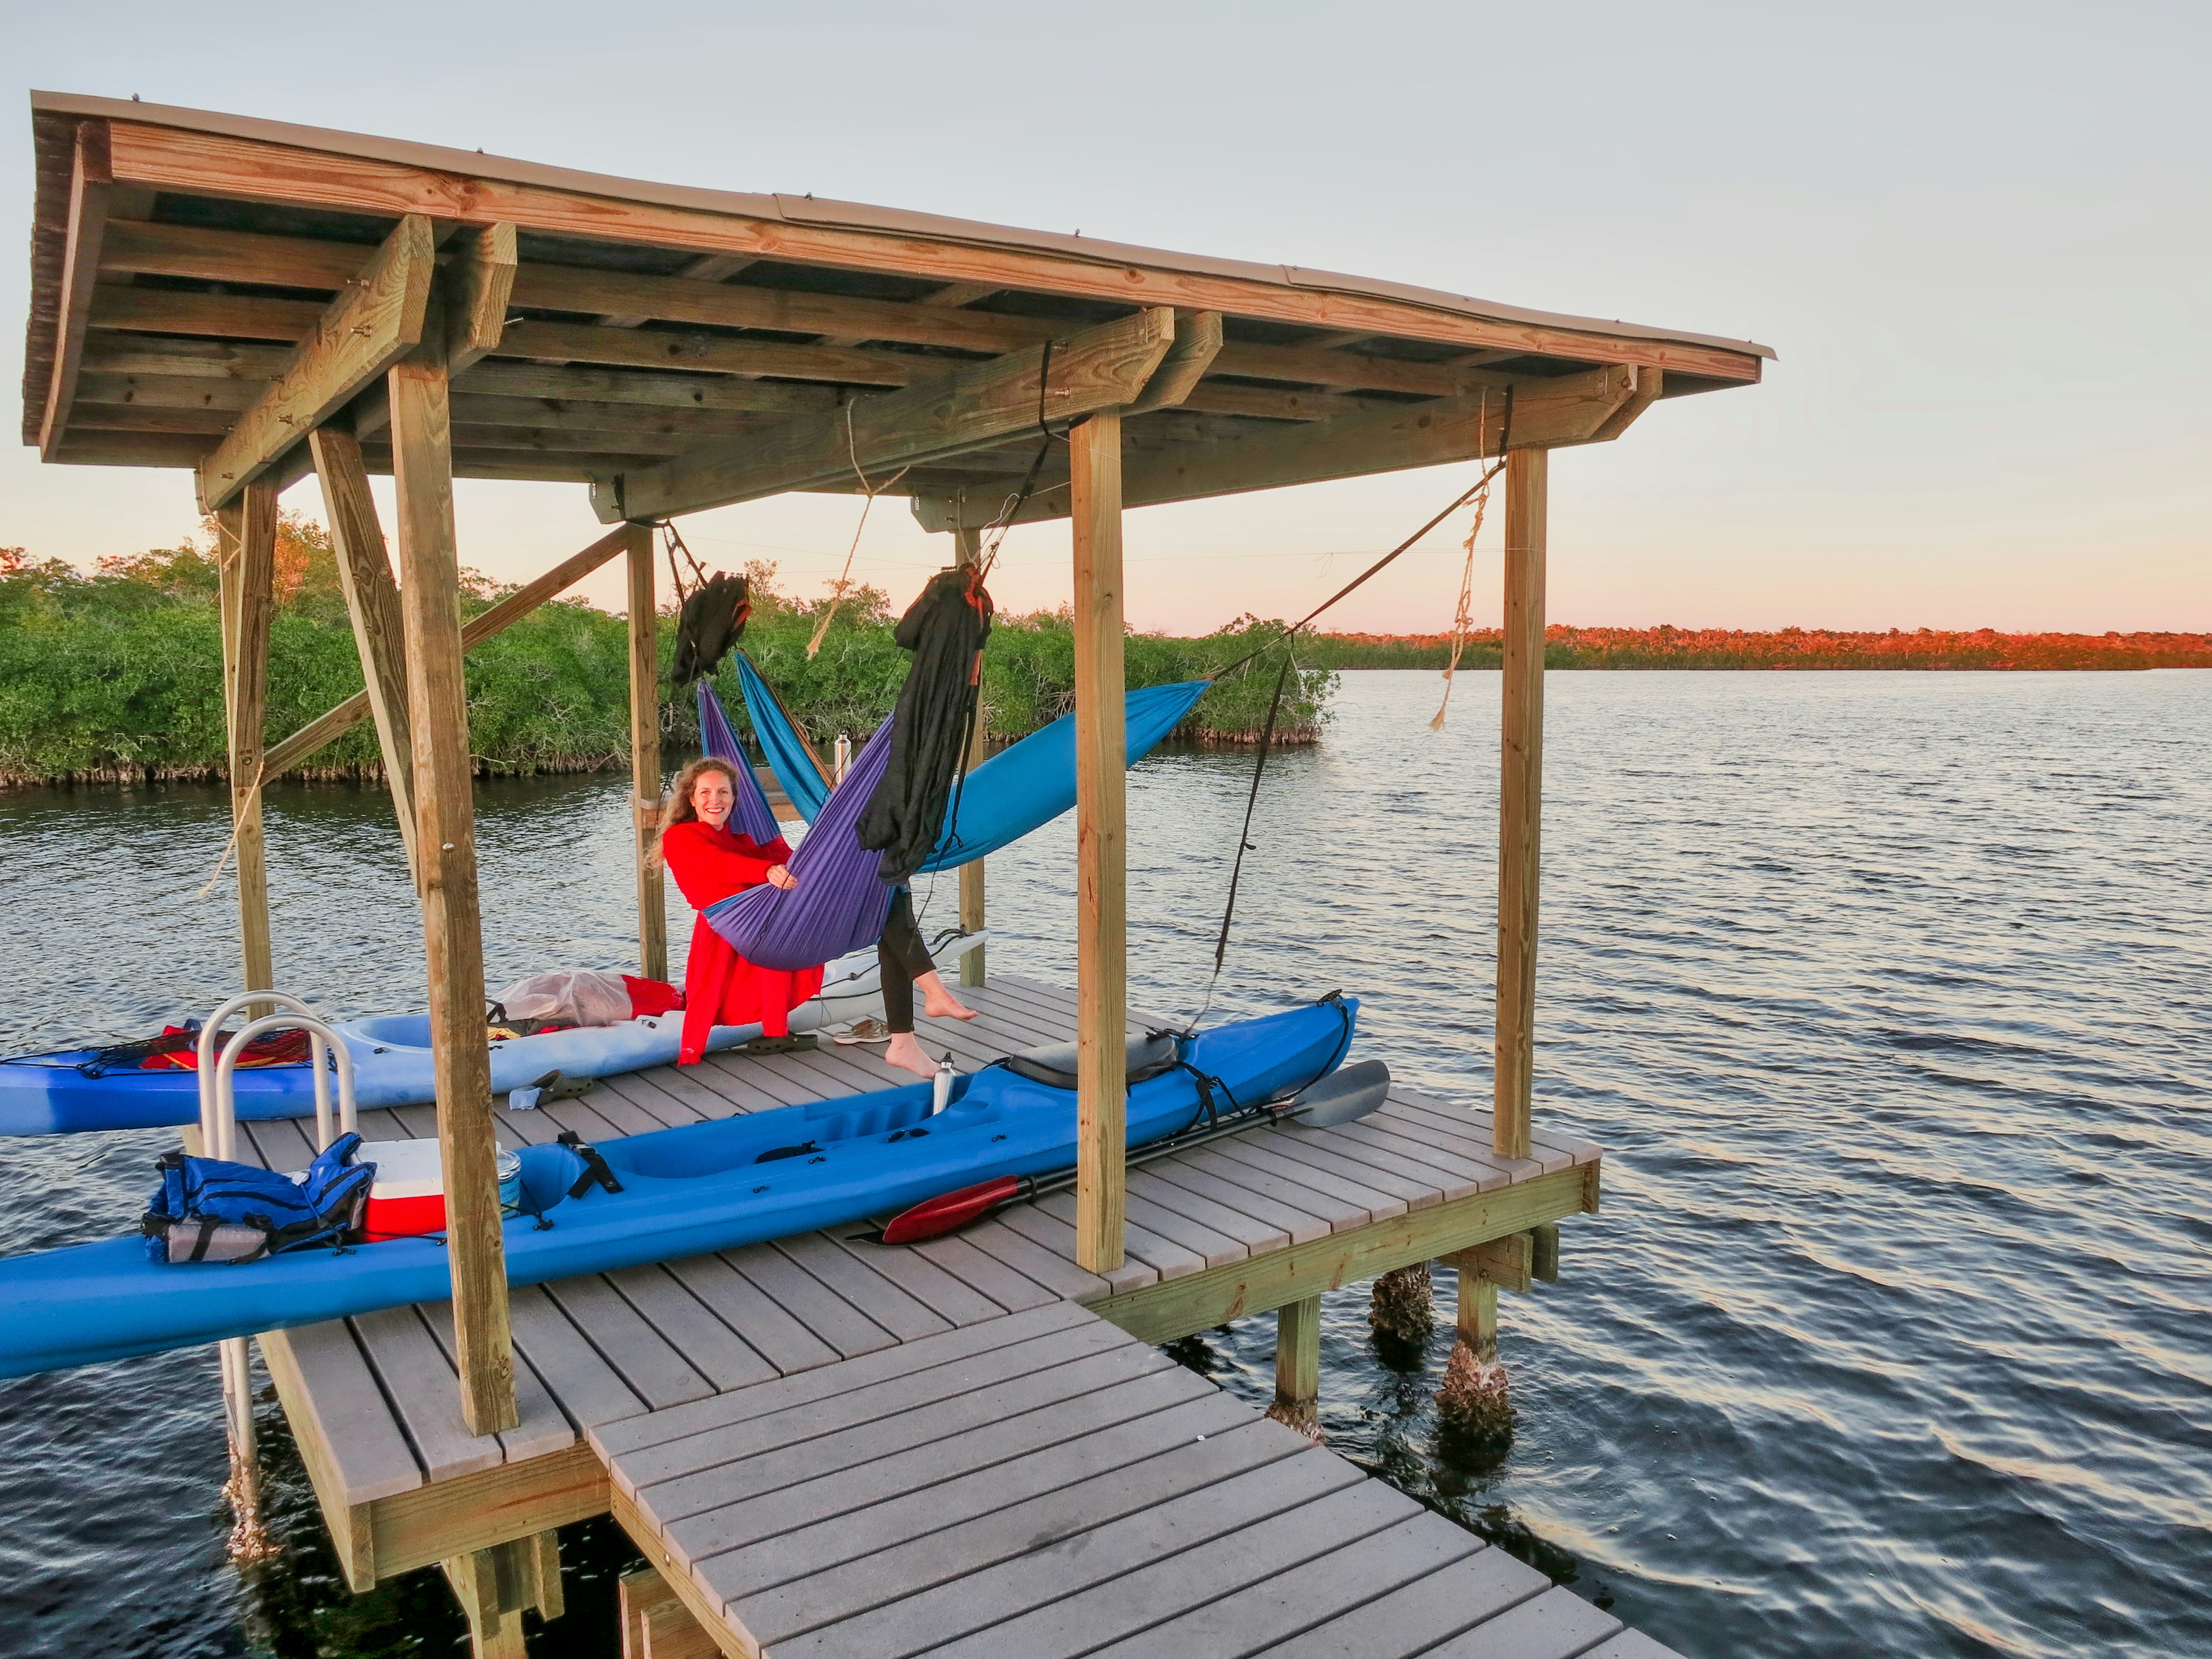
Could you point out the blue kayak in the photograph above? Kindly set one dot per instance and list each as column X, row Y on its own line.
column 70, row 1092
column 706, row 1186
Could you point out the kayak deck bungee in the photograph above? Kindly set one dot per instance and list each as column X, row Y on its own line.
column 64, row 1093
column 706, row 1186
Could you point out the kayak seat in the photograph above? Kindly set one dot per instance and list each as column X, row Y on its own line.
column 1053, row 1064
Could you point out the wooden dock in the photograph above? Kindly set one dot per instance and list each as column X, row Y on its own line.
column 634, row 1385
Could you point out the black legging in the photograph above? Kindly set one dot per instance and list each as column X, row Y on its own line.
column 901, row 959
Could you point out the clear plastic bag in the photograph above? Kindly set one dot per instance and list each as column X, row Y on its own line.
column 572, row 996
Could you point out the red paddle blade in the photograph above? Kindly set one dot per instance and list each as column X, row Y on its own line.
column 948, row 1212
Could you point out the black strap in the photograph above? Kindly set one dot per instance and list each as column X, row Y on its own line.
column 596, row 1172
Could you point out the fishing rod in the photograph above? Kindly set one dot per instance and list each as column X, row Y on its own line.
column 1341, row 1097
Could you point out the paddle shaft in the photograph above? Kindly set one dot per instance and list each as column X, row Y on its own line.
column 933, row 1218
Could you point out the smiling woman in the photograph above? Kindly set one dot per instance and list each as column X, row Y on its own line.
column 711, row 861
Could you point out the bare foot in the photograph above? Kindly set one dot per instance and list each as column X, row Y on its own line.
column 939, row 1003
column 905, row 1053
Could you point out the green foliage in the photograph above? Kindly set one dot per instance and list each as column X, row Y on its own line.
column 118, row 673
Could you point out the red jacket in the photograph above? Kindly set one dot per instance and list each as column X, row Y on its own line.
column 720, row 988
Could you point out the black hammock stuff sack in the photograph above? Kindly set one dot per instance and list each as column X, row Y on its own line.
column 944, row 628
column 712, row 621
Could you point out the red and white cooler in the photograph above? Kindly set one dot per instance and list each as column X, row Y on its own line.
column 407, row 1197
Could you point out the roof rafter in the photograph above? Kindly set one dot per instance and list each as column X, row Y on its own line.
column 963, row 408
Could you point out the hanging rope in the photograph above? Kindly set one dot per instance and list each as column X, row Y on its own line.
column 237, row 827
column 1010, row 508
column 1463, row 616
column 675, row 545
column 1466, row 495
column 1478, row 490
column 869, row 491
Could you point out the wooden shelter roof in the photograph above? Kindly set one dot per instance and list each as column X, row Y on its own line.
column 196, row 278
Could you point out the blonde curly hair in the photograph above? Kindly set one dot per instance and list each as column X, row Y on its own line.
column 677, row 808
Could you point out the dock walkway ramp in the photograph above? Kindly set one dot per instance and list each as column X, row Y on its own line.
column 1042, row 1485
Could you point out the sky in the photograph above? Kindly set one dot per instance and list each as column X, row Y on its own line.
column 1979, row 237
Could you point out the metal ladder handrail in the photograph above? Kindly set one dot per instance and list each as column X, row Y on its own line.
column 211, row 1028
column 324, row 1044
column 220, row 1138
column 218, row 1092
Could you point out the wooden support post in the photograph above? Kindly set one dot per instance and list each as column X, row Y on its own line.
column 1520, row 801
column 1101, row 852
column 1477, row 1311
column 968, row 549
column 645, row 754
column 656, row 1625
column 246, row 533
column 1297, row 1367
column 445, row 840
column 373, row 602
column 496, row 1586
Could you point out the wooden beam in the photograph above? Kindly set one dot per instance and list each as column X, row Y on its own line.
column 478, row 284
column 967, row 549
column 207, row 253
column 372, row 603
column 1102, row 368
column 785, row 311
column 1547, row 413
column 362, row 333
column 481, row 269
column 223, row 316
column 706, row 268
column 445, row 839
column 1101, row 849
column 246, row 539
column 1506, row 1262
column 421, row 1527
column 1348, row 370
column 213, row 164
column 1650, row 386
column 721, row 354
column 91, row 184
column 623, row 424
column 1215, row 1295
column 645, row 754
column 701, row 296
column 1197, row 343
column 328, row 728
column 703, row 393
column 1520, row 801
column 213, row 360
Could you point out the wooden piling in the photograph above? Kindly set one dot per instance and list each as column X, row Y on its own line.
column 645, row 754
column 246, row 534
column 1297, row 1367
column 1520, row 801
column 447, row 878
column 1101, row 849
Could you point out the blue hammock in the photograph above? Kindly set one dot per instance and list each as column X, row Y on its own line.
column 1024, row 785
column 840, row 902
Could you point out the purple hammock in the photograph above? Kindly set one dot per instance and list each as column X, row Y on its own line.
column 840, row 903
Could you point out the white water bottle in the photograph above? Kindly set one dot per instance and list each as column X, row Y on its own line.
column 942, row 1096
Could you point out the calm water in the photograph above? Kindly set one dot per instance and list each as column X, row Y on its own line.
column 1887, row 992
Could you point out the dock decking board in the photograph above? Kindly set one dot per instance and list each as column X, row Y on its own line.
column 659, row 1367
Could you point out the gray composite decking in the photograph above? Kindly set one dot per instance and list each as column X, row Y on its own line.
column 603, row 1347
column 1042, row 1486
column 845, row 1450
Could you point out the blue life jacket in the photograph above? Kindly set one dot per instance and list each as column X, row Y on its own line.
column 210, row 1210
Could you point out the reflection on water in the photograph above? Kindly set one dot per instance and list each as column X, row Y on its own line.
column 1887, row 992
